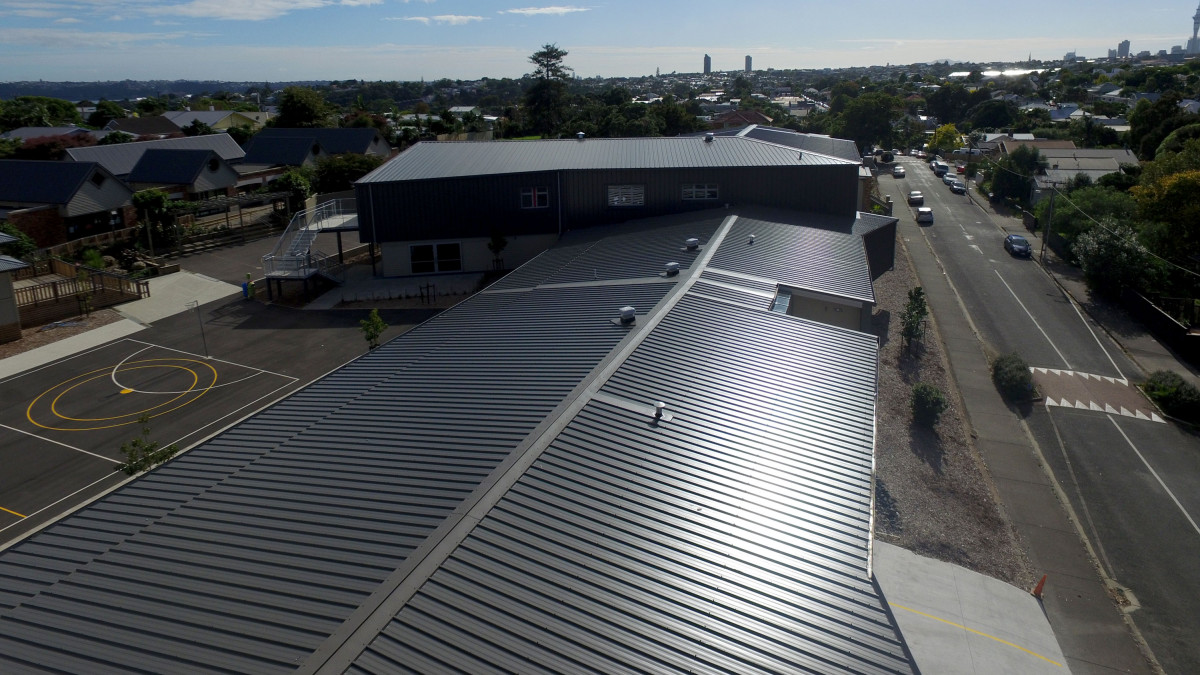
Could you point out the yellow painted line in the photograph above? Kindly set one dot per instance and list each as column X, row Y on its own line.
column 972, row 630
column 12, row 512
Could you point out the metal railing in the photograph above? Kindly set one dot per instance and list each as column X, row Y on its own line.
column 293, row 256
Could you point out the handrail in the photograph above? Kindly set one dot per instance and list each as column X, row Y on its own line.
column 293, row 255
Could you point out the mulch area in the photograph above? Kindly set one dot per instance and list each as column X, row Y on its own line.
column 37, row 336
column 933, row 493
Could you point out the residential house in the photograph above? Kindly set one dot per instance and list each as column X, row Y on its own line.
column 10, row 316
column 358, row 140
column 738, row 119
column 151, row 127
column 1065, row 164
column 120, row 159
column 55, row 202
column 28, row 133
column 193, row 175
column 218, row 120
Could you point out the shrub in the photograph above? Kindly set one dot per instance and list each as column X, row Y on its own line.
column 1177, row 397
column 928, row 403
column 1011, row 375
column 93, row 258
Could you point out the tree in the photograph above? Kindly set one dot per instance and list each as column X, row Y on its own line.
column 912, row 321
column 993, row 114
column 945, row 137
column 17, row 113
column 868, row 118
column 106, row 111
column 1013, row 176
column 298, row 184
column 152, row 207
column 116, row 138
column 301, row 107
column 372, row 328
column 1073, row 215
column 1111, row 258
column 1171, row 201
column 546, row 99
column 335, row 173
column 141, row 453
column 197, row 128
column 928, row 404
column 23, row 246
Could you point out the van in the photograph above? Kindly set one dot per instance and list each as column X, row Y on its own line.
column 940, row 169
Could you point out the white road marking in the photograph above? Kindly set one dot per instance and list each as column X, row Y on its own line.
column 1097, row 339
column 1155, row 474
column 977, row 249
column 52, row 505
column 210, row 358
column 234, row 412
column 51, row 440
column 1039, row 326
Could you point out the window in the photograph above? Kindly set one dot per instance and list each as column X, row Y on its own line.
column 626, row 195
column 431, row 258
column 97, row 179
column 694, row 191
column 535, row 198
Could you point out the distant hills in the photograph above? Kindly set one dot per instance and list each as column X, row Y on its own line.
column 132, row 89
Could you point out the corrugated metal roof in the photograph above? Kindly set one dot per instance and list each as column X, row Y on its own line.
column 30, row 181
column 732, row 538
column 335, row 141
column 817, row 260
column 825, row 145
column 8, row 263
column 169, row 166
column 428, row 160
column 120, row 159
column 281, row 151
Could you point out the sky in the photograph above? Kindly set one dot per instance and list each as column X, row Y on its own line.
column 288, row 40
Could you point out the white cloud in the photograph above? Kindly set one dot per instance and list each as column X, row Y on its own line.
column 360, row 3
column 76, row 39
column 68, row 19
column 533, row 11
column 447, row 19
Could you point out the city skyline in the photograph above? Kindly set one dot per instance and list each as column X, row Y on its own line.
column 89, row 40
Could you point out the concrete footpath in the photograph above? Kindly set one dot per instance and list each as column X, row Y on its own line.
column 1091, row 631
column 958, row 621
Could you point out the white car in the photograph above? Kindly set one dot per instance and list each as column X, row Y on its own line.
column 897, row 172
column 924, row 215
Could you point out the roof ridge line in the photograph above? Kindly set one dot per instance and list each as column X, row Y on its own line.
column 345, row 644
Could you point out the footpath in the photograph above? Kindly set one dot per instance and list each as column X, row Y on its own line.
column 1094, row 635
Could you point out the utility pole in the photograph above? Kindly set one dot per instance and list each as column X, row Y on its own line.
column 1049, row 223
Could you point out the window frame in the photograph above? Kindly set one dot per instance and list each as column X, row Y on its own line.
column 626, row 195
column 437, row 261
column 696, row 192
column 536, row 197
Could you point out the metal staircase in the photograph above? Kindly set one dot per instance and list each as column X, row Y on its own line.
column 294, row 256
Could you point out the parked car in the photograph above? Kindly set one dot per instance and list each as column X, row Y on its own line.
column 915, row 197
column 958, row 187
column 924, row 215
column 897, row 172
column 949, row 178
column 959, row 168
column 1015, row 244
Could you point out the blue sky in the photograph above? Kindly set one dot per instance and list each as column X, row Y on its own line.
column 273, row 40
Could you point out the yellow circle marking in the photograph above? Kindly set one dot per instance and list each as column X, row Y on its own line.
column 195, row 376
column 64, row 392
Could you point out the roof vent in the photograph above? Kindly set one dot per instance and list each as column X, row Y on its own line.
column 708, row 138
column 672, row 269
column 628, row 314
column 658, row 409
column 692, row 244
column 751, row 239
column 579, row 135
column 800, row 156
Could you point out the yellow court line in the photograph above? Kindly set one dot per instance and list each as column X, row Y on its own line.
column 12, row 512
column 972, row 630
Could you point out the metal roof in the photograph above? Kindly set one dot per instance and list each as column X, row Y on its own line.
column 120, row 159
column 335, row 141
column 454, row 159
column 9, row 263
column 170, row 166
column 826, row 145
column 497, row 471
column 31, row 181
column 281, row 151
column 817, row 260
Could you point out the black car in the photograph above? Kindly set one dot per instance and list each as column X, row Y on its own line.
column 1015, row 244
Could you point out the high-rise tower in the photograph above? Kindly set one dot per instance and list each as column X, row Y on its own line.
column 749, row 68
column 1193, row 45
column 707, row 64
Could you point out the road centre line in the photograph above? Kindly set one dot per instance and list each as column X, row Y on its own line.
column 1155, row 474
column 972, row 630
column 1039, row 326
column 1094, row 336
column 51, row 440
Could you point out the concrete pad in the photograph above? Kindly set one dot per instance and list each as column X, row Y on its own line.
column 54, row 351
column 958, row 621
column 170, row 294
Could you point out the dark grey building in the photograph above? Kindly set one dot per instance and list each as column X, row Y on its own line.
column 499, row 490
column 456, row 196
column 707, row 64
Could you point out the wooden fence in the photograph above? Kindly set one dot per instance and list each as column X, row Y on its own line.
column 66, row 297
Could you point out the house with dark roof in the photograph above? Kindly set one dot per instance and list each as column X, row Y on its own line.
column 153, row 126
column 357, row 140
column 28, row 133
column 282, row 152
column 55, row 202
column 437, row 206
column 184, row 174
column 596, row 464
column 10, row 315
column 120, row 159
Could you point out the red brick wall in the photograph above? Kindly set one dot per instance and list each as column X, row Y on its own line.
column 44, row 225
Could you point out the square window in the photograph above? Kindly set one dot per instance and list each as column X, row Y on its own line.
column 449, row 258
column 422, row 259
column 535, row 198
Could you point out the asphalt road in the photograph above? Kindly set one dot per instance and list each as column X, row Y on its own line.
column 1134, row 482
column 62, row 426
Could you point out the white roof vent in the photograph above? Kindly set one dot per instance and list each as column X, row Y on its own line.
column 672, row 268
column 751, row 239
column 692, row 244
column 627, row 315
column 708, row 138
column 579, row 135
